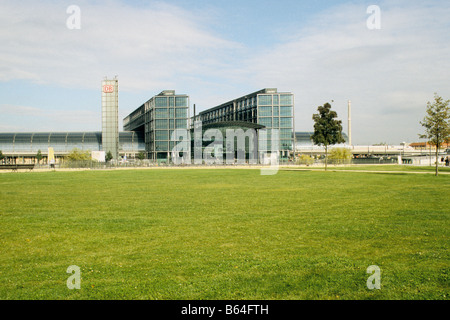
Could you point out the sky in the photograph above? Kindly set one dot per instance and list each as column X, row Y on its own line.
column 389, row 63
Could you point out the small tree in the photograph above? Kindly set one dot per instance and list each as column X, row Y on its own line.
column 78, row 155
column 436, row 123
column 108, row 156
column 78, row 159
column 2, row 156
column 340, row 155
column 327, row 130
column 141, row 155
column 39, row 156
column 305, row 159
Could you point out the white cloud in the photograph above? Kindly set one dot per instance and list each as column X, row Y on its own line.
column 146, row 47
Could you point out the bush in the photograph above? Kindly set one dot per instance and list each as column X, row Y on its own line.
column 340, row 156
column 93, row 164
column 78, row 155
column 305, row 159
column 78, row 159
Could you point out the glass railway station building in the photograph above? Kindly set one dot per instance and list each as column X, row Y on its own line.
column 149, row 128
column 161, row 115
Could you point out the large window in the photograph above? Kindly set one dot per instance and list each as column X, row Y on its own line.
column 285, row 144
column 162, row 145
column 276, row 110
column 180, row 113
column 286, row 111
column 285, row 99
column 285, row 122
column 265, row 100
column 265, row 122
column 161, row 113
column 275, row 99
column 265, row 111
column 181, row 101
column 161, row 101
column 181, row 124
column 276, row 122
column 161, row 124
column 285, row 133
column 162, row 135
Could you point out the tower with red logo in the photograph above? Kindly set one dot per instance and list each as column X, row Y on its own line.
column 110, row 116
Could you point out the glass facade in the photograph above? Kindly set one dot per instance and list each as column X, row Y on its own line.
column 165, row 113
column 161, row 115
column 64, row 142
column 110, row 116
column 222, row 148
column 157, row 119
column 275, row 111
column 266, row 107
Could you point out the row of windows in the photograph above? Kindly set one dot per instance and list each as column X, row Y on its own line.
column 246, row 116
column 163, row 134
column 276, row 122
column 275, row 111
column 170, row 124
column 11, row 138
column 245, row 103
column 268, row 99
column 265, row 111
column 163, row 113
column 224, row 111
column 171, row 101
column 165, row 145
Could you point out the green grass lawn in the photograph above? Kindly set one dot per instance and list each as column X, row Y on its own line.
column 380, row 167
column 224, row 234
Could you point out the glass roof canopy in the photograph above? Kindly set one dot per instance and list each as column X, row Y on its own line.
column 62, row 142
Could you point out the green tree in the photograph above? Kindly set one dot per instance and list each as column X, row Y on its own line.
column 327, row 130
column 108, row 156
column 141, row 155
column 39, row 156
column 436, row 124
column 2, row 156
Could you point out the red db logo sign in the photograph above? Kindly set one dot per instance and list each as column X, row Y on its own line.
column 108, row 89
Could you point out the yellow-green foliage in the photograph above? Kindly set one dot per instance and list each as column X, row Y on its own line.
column 78, row 155
column 305, row 159
column 340, row 155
